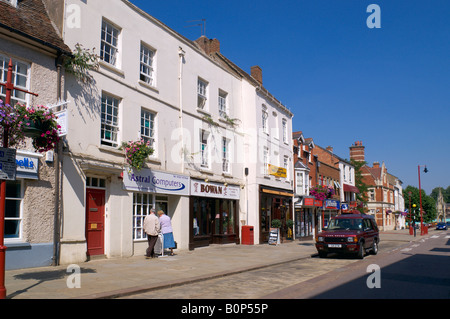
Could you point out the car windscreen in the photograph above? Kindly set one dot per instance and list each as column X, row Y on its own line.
column 345, row 224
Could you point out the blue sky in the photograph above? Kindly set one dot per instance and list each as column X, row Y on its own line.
column 387, row 87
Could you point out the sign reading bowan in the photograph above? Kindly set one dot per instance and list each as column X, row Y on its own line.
column 277, row 171
column 216, row 190
column 151, row 181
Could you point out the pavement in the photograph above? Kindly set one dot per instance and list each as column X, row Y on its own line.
column 118, row 277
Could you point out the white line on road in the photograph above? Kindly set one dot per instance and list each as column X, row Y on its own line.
column 406, row 249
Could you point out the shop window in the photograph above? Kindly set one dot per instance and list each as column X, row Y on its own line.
column 142, row 203
column 13, row 211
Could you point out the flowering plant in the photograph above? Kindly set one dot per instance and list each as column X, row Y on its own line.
column 10, row 120
column 43, row 123
column 137, row 152
column 321, row 192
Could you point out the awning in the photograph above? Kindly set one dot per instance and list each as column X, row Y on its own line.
column 350, row 188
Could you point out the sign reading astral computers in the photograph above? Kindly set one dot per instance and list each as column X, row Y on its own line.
column 151, row 181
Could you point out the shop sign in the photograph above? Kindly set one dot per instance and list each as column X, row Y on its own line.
column 312, row 202
column 151, row 181
column 215, row 190
column 8, row 164
column 277, row 171
column 331, row 204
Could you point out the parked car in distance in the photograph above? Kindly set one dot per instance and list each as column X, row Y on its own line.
column 349, row 234
column 441, row 226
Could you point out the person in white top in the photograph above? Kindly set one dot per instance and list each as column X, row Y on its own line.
column 152, row 228
column 166, row 230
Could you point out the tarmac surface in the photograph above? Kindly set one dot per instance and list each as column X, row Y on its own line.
column 113, row 278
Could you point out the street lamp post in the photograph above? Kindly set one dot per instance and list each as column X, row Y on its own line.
column 410, row 213
column 422, row 231
column 9, row 88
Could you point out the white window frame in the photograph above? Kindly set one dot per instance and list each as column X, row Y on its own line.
column 204, row 149
column 150, row 135
column 286, row 166
column 16, row 96
column 285, row 131
column 266, row 161
column 299, row 183
column 202, row 94
column 140, row 210
column 265, row 119
column 109, row 125
column 110, row 42
column 226, row 168
column 147, row 65
column 20, row 218
column 223, row 104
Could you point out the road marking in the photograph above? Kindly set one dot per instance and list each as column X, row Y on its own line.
column 406, row 249
column 415, row 245
column 447, row 236
column 435, row 236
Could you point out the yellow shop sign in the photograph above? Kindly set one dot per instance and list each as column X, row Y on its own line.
column 277, row 171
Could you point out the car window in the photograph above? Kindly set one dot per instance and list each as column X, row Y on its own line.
column 345, row 224
column 367, row 224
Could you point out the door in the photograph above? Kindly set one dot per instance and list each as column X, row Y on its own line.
column 95, row 221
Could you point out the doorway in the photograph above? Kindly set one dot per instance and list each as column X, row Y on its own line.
column 95, row 221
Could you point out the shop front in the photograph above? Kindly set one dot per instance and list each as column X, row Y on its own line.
column 214, row 212
column 158, row 190
column 274, row 204
column 306, row 218
column 331, row 208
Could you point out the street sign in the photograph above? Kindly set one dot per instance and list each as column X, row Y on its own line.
column 62, row 122
column 8, row 164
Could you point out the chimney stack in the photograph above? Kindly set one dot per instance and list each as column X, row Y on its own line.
column 357, row 152
column 376, row 164
column 209, row 46
column 330, row 149
column 256, row 73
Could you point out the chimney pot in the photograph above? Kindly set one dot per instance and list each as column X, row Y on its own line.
column 256, row 73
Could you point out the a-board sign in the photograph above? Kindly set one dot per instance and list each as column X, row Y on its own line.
column 274, row 238
column 8, row 164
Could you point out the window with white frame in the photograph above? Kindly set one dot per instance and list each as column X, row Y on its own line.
column 299, row 189
column 147, row 74
column 142, row 203
column 286, row 166
column 20, row 79
column 266, row 161
column 13, row 210
column 109, row 120
column 204, row 151
column 202, row 91
column 109, row 46
column 148, row 127
column 223, row 107
column 225, row 155
column 285, row 131
column 265, row 119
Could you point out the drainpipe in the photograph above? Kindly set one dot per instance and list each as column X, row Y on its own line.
column 180, row 94
column 56, row 233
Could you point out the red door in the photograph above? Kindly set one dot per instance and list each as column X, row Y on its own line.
column 95, row 220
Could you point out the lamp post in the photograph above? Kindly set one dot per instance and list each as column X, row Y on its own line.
column 422, row 232
column 410, row 213
column 9, row 86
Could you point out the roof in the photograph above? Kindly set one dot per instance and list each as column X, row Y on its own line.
column 30, row 19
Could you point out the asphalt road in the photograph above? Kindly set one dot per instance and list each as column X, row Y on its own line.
column 407, row 269
column 419, row 270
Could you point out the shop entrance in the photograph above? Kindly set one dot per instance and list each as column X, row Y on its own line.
column 95, row 221
column 214, row 221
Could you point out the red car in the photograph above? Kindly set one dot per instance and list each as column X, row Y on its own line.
column 349, row 234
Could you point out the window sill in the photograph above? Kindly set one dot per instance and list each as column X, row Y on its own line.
column 110, row 149
column 206, row 171
column 204, row 112
column 148, row 86
column 111, row 68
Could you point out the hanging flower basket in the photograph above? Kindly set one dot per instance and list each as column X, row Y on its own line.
column 39, row 123
column 322, row 192
column 136, row 153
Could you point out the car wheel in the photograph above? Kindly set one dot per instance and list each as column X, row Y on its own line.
column 361, row 252
column 375, row 247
